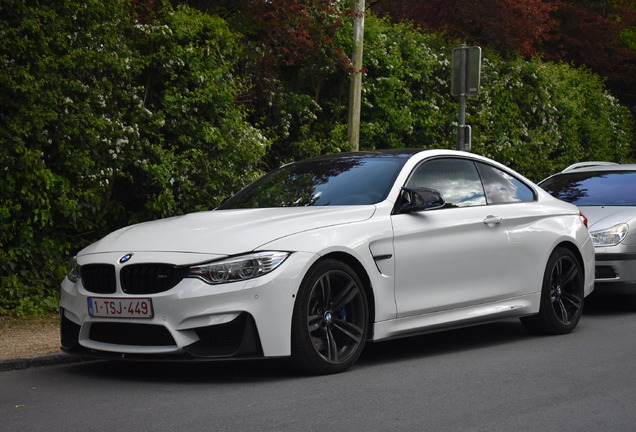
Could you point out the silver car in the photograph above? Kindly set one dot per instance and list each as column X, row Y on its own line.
column 606, row 193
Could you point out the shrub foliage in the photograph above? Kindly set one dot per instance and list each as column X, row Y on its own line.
column 107, row 121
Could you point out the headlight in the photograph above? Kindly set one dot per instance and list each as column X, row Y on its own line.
column 611, row 236
column 238, row 268
column 73, row 274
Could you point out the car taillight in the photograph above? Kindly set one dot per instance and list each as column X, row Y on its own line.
column 584, row 219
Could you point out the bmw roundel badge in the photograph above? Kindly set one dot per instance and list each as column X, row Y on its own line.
column 125, row 258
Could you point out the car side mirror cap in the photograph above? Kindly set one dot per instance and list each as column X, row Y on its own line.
column 415, row 199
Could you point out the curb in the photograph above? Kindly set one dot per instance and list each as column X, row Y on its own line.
column 44, row 360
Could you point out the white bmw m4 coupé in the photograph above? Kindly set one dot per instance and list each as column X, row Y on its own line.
column 322, row 256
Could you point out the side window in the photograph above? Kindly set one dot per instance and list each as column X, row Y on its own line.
column 456, row 179
column 503, row 188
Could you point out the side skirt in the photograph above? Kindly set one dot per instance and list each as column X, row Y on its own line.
column 456, row 318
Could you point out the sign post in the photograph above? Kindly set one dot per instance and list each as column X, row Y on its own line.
column 465, row 83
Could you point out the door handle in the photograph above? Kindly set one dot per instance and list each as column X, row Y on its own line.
column 491, row 220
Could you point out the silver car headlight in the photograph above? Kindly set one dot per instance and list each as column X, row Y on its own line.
column 73, row 274
column 238, row 268
column 611, row 236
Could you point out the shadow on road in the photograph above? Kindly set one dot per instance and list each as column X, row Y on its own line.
column 446, row 342
column 280, row 369
column 187, row 373
column 507, row 332
column 606, row 304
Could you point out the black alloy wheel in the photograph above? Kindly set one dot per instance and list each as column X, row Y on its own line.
column 562, row 295
column 330, row 321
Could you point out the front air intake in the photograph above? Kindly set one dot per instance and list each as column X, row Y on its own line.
column 131, row 334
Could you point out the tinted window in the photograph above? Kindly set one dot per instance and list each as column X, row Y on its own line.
column 599, row 188
column 355, row 180
column 501, row 187
column 456, row 179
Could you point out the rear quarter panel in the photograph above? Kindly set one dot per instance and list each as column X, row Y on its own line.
column 535, row 232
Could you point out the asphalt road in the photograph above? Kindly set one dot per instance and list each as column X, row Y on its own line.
column 494, row 377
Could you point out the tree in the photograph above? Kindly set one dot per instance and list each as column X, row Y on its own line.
column 510, row 26
column 600, row 35
column 596, row 35
column 293, row 59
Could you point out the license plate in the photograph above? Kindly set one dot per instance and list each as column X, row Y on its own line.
column 103, row 307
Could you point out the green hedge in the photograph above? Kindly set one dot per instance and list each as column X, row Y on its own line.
column 541, row 117
column 105, row 122
column 534, row 116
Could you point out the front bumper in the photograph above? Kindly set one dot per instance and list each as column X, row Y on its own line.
column 616, row 269
column 193, row 320
column 236, row 339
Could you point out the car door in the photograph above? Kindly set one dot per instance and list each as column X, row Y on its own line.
column 516, row 202
column 454, row 256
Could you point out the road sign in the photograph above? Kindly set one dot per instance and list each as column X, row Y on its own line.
column 465, row 83
column 466, row 71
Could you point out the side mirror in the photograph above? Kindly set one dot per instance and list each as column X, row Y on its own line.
column 418, row 199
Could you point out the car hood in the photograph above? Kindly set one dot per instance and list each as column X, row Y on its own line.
column 225, row 232
column 601, row 217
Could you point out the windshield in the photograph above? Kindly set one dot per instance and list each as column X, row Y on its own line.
column 350, row 180
column 598, row 188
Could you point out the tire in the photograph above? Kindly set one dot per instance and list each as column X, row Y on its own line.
column 330, row 319
column 562, row 295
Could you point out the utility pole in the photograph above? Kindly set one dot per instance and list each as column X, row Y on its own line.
column 355, row 90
